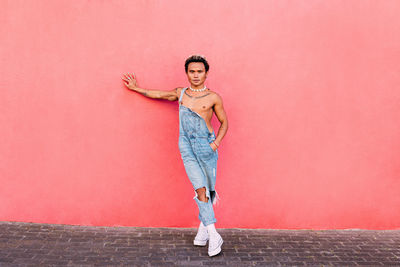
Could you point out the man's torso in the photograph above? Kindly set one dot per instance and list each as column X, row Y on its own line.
column 199, row 102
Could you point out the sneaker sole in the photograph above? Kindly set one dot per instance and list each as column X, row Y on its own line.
column 217, row 250
column 200, row 242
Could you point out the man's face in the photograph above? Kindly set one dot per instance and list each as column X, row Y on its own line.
column 196, row 73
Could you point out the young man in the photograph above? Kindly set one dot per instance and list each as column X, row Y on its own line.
column 198, row 144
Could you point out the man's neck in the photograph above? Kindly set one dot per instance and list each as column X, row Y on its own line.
column 201, row 86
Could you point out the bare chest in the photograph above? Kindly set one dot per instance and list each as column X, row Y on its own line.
column 198, row 103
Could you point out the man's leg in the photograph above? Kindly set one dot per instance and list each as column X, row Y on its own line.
column 202, row 233
column 201, row 194
column 206, row 211
column 201, row 182
column 206, row 215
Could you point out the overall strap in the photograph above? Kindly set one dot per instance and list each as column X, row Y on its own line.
column 180, row 98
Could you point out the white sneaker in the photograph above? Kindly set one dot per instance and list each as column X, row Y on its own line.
column 202, row 236
column 215, row 243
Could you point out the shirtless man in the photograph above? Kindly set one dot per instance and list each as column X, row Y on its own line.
column 197, row 142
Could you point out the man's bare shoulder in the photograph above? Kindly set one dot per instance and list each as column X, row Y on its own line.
column 215, row 96
column 178, row 90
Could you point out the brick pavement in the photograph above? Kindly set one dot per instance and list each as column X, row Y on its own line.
column 33, row 244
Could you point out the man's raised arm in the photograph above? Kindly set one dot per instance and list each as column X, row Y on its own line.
column 171, row 95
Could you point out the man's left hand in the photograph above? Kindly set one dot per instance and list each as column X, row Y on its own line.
column 213, row 146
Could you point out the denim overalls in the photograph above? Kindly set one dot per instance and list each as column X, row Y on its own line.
column 199, row 159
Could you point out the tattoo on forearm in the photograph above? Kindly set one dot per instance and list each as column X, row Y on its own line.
column 143, row 93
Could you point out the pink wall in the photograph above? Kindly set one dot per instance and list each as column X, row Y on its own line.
column 311, row 89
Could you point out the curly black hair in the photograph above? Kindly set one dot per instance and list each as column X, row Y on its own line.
column 196, row 58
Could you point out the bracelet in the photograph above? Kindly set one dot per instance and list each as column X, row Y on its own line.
column 215, row 144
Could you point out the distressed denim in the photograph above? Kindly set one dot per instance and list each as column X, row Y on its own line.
column 199, row 159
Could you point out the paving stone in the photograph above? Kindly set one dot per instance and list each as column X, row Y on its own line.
column 33, row 244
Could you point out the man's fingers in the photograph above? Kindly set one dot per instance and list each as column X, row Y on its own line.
column 127, row 75
column 130, row 78
column 133, row 76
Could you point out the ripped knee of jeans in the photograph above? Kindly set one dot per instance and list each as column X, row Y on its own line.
column 207, row 194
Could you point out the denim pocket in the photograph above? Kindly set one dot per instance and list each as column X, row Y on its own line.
column 209, row 144
column 210, row 140
column 206, row 152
